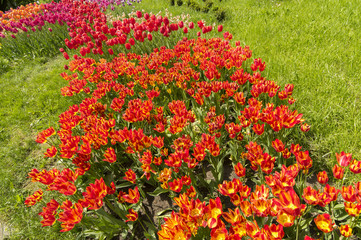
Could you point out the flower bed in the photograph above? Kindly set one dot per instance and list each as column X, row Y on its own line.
column 168, row 122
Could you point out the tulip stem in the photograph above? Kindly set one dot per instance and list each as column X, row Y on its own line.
column 343, row 179
column 330, row 209
column 150, row 219
column 261, row 176
column 353, row 222
column 142, row 225
column 297, row 227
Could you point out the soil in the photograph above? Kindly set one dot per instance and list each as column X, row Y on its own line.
column 155, row 205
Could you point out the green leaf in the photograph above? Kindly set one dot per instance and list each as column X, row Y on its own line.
column 163, row 212
column 158, row 191
column 151, row 230
column 147, row 235
column 340, row 215
column 202, row 233
column 339, row 206
column 220, row 169
column 290, row 232
column 305, row 222
column 124, row 185
column 111, row 219
column 124, row 235
column 141, row 192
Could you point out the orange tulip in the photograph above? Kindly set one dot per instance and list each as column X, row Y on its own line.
column 305, row 127
column 324, row 223
column 246, row 208
column 260, row 207
column 228, row 188
column 348, row 193
column 304, row 160
column 44, row 135
column 95, row 194
column 252, row 229
column 214, row 211
column 258, row 129
column 286, row 153
column 358, row 191
column 322, row 177
column 346, row 230
column 176, row 185
column 352, row 209
column 338, row 171
column 132, row 197
column 130, row 176
column 33, row 199
column 274, row 232
column 219, row 233
column 233, row 217
column 240, row 170
column 278, row 145
column 343, row 158
column 355, row 166
column 71, row 215
column 289, row 202
column 51, row 152
column 49, row 213
column 285, row 219
column 310, row 195
column 132, row 216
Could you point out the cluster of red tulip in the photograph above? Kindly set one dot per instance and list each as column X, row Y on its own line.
column 160, row 122
column 93, row 34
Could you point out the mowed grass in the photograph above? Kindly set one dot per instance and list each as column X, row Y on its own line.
column 314, row 45
column 30, row 102
column 311, row 44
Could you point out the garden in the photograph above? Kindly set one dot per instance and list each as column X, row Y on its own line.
column 180, row 119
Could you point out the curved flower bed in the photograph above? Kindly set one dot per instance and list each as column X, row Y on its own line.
column 168, row 122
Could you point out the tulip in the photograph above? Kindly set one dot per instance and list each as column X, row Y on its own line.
column 322, row 177
column 324, row 223
column 338, row 171
column 346, row 230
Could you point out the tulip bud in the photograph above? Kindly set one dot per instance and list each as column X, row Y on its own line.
column 150, row 37
column 322, row 177
column 66, row 56
column 338, row 171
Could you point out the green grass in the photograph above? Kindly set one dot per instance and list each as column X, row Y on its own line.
column 31, row 102
column 312, row 44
